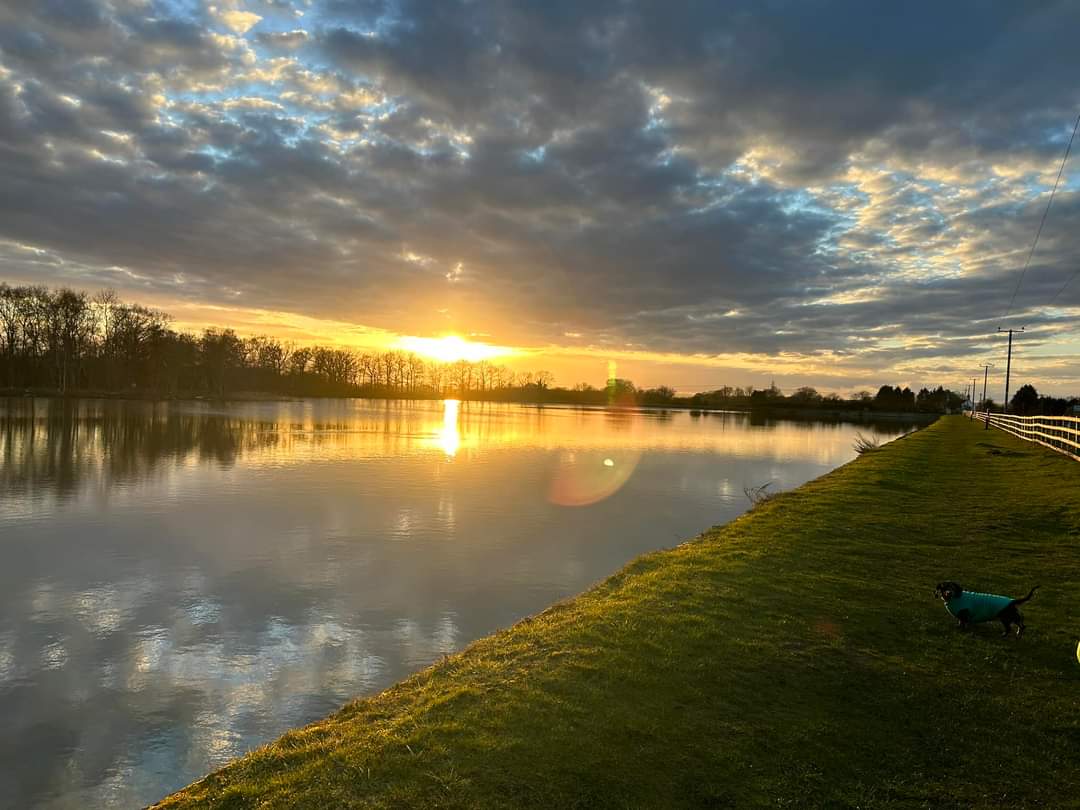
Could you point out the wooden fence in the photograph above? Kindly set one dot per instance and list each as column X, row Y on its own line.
column 1061, row 433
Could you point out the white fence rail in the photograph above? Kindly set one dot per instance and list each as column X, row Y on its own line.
column 1061, row 433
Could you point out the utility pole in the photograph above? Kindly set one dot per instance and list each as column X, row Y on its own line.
column 986, row 371
column 1008, row 366
column 972, row 399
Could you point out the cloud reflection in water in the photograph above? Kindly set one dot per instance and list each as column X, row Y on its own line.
column 183, row 582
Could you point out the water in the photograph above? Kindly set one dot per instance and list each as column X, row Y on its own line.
column 183, row 582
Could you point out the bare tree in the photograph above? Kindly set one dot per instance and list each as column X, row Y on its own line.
column 10, row 318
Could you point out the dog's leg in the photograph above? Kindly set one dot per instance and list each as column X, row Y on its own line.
column 1010, row 616
column 963, row 620
column 1006, row 627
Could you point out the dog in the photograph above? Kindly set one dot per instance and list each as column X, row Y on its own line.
column 972, row 607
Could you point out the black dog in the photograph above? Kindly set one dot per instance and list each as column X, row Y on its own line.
column 972, row 607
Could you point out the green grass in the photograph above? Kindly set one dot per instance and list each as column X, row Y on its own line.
column 793, row 658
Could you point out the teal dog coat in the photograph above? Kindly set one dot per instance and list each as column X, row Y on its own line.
column 980, row 607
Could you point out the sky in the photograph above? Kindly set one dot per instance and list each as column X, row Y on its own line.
column 834, row 194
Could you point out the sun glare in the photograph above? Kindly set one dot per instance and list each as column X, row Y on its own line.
column 451, row 348
column 449, row 438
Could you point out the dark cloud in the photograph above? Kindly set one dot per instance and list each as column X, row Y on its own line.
column 839, row 178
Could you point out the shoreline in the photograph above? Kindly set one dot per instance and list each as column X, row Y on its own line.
column 751, row 666
column 769, row 412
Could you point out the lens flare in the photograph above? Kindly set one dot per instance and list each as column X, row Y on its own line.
column 582, row 478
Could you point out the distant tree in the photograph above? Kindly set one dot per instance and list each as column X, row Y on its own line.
column 415, row 373
column 221, row 354
column 106, row 302
column 894, row 399
column 1025, row 401
column 620, row 391
column 368, row 365
column 806, row 397
column 886, row 398
column 767, row 396
column 1054, row 406
column 335, row 366
column 461, row 373
column 658, row 396
column 723, row 397
column 300, row 362
column 436, row 378
column 939, row 400
column 73, row 328
column 11, row 314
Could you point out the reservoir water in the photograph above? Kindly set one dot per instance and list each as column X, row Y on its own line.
column 182, row 582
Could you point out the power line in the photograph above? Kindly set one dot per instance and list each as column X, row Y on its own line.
column 1042, row 222
column 1063, row 286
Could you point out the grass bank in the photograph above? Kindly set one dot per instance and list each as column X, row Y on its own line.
column 793, row 658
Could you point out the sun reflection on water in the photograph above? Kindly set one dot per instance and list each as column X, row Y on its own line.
column 449, row 437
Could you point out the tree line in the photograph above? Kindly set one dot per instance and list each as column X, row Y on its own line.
column 65, row 341
column 891, row 399
column 1027, row 401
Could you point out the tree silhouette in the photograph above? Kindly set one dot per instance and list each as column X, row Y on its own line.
column 62, row 341
column 1025, row 401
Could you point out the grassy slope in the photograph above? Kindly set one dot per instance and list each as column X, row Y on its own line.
column 795, row 657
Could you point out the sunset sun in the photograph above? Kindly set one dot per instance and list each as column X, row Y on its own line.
column 451, row 348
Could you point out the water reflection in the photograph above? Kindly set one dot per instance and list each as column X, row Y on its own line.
column 450, row 436
column 185, row 581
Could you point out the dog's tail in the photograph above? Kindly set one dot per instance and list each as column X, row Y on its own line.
column 1027, row 598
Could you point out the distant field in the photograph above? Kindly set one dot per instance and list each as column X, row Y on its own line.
column 793, row 658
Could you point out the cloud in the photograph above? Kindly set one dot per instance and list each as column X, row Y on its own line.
column 239, row 22
column 251, row 103
column 285, row 40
